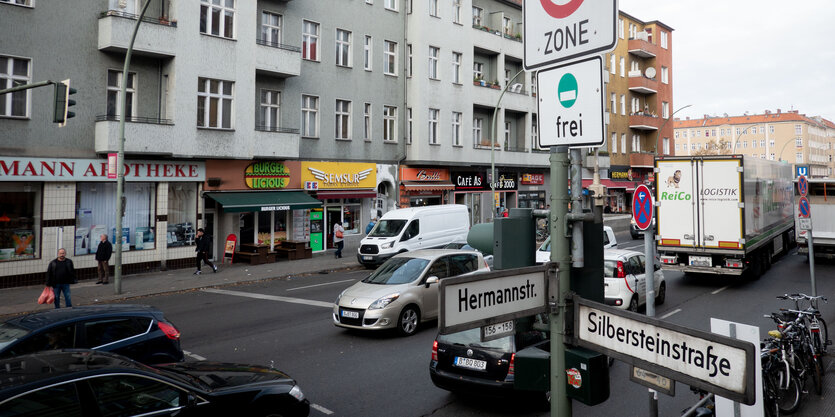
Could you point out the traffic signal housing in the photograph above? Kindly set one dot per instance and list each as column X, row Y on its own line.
column 63, row 102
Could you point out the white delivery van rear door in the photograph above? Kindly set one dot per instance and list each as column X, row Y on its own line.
column 720, row 203
column 676, row 196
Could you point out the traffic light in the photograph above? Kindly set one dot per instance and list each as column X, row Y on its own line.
column 63, row 102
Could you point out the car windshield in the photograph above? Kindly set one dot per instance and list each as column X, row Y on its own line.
column 610, row 268
column 9, row 333
column 387, row 228
column 472, row 338
column 397, row 271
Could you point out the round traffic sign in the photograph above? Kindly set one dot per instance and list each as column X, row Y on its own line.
column 567, row 90
column 559, row 11
column 803, row 209
column 642, row 207
column 802, row 185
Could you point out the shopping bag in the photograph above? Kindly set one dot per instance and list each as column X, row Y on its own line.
column 47, row 296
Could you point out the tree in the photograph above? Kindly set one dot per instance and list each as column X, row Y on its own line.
column 714, row 147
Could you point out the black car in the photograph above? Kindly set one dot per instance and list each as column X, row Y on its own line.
column 139, row 332
column 83, row 382
column 461, row 362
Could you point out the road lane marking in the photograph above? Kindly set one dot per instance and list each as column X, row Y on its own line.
column 720, row 290
column 319, row 285
column 193, row 355
column 269, row 297
column 670, row 313
column 321, row 409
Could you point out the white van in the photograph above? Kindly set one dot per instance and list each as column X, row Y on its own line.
column 413, row 228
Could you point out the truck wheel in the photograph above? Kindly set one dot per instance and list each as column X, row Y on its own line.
column 767, row 258
column 755, row 270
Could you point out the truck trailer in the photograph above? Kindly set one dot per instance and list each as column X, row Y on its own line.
column 723, row 214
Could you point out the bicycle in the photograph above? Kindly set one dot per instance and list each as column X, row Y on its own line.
column 783, row 367
column 815, row 321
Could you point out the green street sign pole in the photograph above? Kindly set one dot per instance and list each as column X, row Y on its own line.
column 560, row 403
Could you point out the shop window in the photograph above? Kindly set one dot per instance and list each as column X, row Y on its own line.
column 182, row 209
column 351, row 215
column 20, row 221
column 96, row 215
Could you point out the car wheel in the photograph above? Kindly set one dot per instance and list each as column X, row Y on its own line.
column 662, row 294
column 407, row 323
column 633, row 304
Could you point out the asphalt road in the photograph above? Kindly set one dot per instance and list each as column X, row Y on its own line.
column 288, row 323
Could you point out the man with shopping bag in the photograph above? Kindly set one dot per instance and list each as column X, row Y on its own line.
column 59, row 275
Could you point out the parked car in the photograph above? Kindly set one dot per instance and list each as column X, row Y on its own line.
column 461, row 362
column 139, row 332
column 625, row 279
column 411, row 229
column 83, row 382
column 634, row 231
column 402, row 292
column 543, row 254
column 463, row 245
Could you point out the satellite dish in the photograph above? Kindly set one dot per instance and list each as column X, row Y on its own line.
column 650, row 72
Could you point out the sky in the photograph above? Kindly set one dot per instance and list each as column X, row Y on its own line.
column 737, row 56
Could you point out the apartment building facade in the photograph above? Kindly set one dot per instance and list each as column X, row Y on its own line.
column 803, row 141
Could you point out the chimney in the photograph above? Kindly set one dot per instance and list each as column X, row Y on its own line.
column 778, row 111
column 687, row 118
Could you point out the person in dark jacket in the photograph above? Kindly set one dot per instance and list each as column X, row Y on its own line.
column 204, row 244
column 59, row 275
column 103, row 252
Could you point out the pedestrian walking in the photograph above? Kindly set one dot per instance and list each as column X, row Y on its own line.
column 338, row 235
column 59, row 275
column 103, row 253
column 204, row 243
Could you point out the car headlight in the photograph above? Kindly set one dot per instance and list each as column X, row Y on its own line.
column 387, row 245
column 297, row 393
column 383, row 302
column 338, row 297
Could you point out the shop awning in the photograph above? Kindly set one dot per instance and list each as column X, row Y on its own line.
column 236, row 202
column 364, row 193
column 428, row 186
column 627, row 185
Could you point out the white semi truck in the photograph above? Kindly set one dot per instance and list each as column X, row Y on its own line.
column 724, row 214
column 821, row 196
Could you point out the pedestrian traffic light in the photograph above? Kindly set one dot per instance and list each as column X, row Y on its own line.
column 63, row 102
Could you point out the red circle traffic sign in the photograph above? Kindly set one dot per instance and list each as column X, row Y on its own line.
column 559, row 11
column 803, row 209
column 642, row 207
column 802, row 185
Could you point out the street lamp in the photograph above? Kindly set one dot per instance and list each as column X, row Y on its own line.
column 493, row 145
column 658, row 133
column 780, row 155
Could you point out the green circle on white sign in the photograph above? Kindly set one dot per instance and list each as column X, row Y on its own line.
column 567, row 90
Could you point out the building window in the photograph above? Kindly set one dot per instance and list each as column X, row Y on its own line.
column 622, row 67
column 456, row 67
column 214, row 103
column 798, row 129
column 433, row 126
column 343, row 48
column 676, row 134
column 389, row 123
column 271, row 28
column 456, row 128
column 771, row 143
column 623, row 142
column 433, row 62
column 114, row 91
column 613, row 64
column 677, row 147
column 477, row 11
column 684, row 146
column 14, row 72
column 182, row 214
column 636, row 143
column 409, row 125
column 665, row 76
column 477, row 122
column 96, row 215
column 665, row 112
column 762, row 129
column 310, row 116
column 433, row 8
column 614, row 143
column 478, row 71
column 367, row 54
column 20, row 230
column 217, row 18
column 798, row 157
column 390, row 55
column 771, row 156
column 391, row 4
column 623, row 104
column 771, row 129
column 366, row 122
column 534, row 133
column 620, row 28
column 270, row 105
column 343, row 119
column 762, row 143
column 310, row 40
column 663, row 39
column 456, row 11
column 614, row 107
column 798, row 142
column 666, row 142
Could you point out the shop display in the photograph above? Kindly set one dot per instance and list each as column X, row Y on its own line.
column 180, row 234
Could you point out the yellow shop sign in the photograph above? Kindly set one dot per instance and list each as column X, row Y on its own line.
column 331, row 175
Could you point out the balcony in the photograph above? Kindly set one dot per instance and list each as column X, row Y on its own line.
column 644, row 121
column 515, row 98
column 641, row 160
column 642, row 85
column 642, row 48
column 487, row 38
column 275, row 142
column 155, row 39
column 144, row 135
column 278, row 59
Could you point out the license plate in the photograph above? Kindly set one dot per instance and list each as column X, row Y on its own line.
column 470, row 363
column 351, row 314
column 701, row 261
column 367, row 258
column 497, row 330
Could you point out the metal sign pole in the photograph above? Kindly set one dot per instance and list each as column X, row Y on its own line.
column 560, row 403
column 811, row 241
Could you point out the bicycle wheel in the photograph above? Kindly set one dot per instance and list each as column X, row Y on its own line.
column 770, row 396
column 816, row 374
column 788, row 399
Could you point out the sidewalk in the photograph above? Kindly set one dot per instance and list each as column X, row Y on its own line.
column 18, row 300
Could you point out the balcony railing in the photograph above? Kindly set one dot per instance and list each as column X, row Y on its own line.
column 642, row 48
column 643, row 85
column 644, row 121
column 517, row 37
column 134, row 119
column 157, row 21
column 291, row 48
column 486, row 146
column 277, row 129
